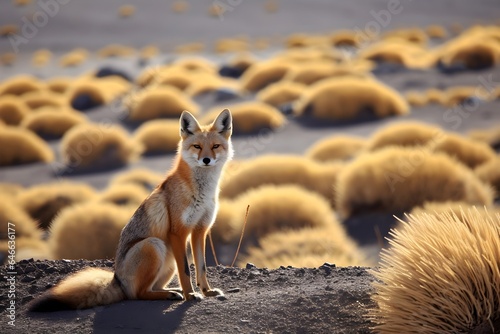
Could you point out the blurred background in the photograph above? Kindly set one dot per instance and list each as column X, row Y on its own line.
column 346, row 113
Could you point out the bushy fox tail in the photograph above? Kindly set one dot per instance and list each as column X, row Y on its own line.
column 87, row 288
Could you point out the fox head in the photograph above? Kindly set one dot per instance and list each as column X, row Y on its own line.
column 209, row 145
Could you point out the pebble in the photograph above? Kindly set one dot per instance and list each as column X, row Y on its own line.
column 250, row 266
column 221, row 297
column 233, row 290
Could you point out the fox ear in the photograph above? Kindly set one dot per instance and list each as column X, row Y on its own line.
column 223, row 124
column 188, row 124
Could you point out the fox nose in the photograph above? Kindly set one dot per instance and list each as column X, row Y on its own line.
column 206, row 161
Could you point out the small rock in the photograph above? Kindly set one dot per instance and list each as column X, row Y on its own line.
column 66, row 261
column 328, row 288
column 329, row 265
column 233, row 290
column 250, row 266
column 245, row 321
column 221, row 297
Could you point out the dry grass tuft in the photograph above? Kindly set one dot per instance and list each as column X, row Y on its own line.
column 440, row 275
column 116, row 50
column 344, row 38
column 11, row 212
column 405, row 134
column 336, row 148
column 413, row 35
column 9, row 29
column 21, row 146
column 41, row 57
column 489, row 136
column 52, row 123
column 39, row 99
column 126, row 11
column 345, row 98
column 159, row 102
column 281, row 208
column 243, row 61
column 226, row 45
column 489, row 173
column 471, row 153
column 280, row 93
column 250, row 117
column 59, row 84
column 312, row 72
column 470, row 51
column 209, row 82
column 149, row 52
column 195, row 47
column 88, row 145
column 100, row 90
column 88, row 231
column 12, row 110
column 196, row 64
column 281, row 170
column 139, row 176
column 461, row 94
column 264, row 73
column 308, row 247
column 8, row 58
column 437, row 96
column 44, row 202
column 180, row 6
column 416, row 99
column 74, row 58
column 128, row 194
column 452, row 208
column 20, row 85
column 28, row 248
column 158, row 136
column 396, row 51
column 436, row 31
column 396, row 179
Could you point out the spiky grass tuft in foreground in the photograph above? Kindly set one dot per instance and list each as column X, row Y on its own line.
column 440, row 275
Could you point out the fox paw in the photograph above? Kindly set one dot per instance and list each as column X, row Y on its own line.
column 213, row 293
column 174, row 295
column 194, row 296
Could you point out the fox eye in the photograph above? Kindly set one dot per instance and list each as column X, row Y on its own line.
column 197, row 147
column 215, row 146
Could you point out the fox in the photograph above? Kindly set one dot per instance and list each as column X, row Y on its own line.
column 153, row 245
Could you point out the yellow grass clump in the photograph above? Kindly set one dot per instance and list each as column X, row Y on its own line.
column 308, row 247
column 59, row 84
column 301, row 40
column 194, row 47
column 471, row 153
column 180, row 6
column 441, row 274
column 281, row 208
column 345, row 98
column 23, row 225
column 12, row 110
column 489, row 172
column 436, row 96
column 39, row 99
column 8, row 58
column 21, row 146
column 196, row 64
column 405, row 134
column 436, row 31
column 470, row 51
column 124, row 194
column 74, row 58
column 41, row 57
column 280, row 93
column 158, row 136
column 416, row 99
column 311, row 72
column 43, row 202
column 126, row 11
column 344, row 38
column 489, row 136
column 208, row 83
column 88, row 231
column 139, row 176
column 399, row 52
column 116, row 50
column 10, row 189
column 159, row 102
column 87, row 145
column 413, row 35
column 336, row 148
column 28, row 248
column 281, row 170
column 250, row 117
column 459, row 94
column 52, row 123
column 101, row 90
column 226, row 45
column 177, row 77
column 8, row 29
column 243, row 61
column 396, row 179
column 149, row 51
column 452, row 208
column 20, row 85
column 264, row 73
